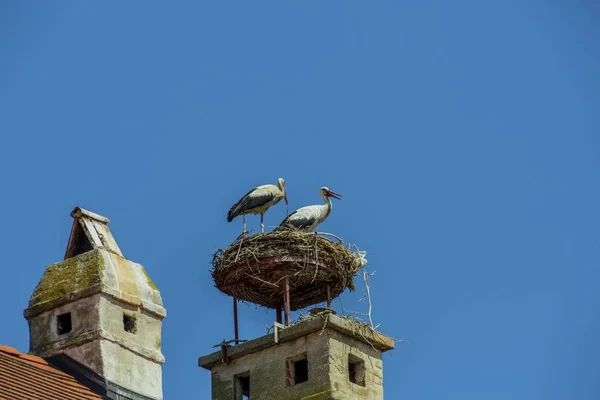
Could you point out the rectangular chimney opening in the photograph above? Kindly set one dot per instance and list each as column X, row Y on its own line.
column 296, row 369
column 242, row 386
column 300, row 371
column 63, row 323
column 129, row 323
column 356, row 370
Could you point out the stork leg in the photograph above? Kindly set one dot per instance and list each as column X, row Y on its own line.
column 244, row 231
column 262, row 224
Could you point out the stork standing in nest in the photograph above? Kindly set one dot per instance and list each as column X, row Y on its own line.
column 308, row 218
column 258, row 201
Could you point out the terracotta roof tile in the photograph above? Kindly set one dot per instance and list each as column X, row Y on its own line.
column 33, row 358
column 10, row 350
column 25, row 377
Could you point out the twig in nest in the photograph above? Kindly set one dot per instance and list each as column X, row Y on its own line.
column 262, row 280
column 317, row 257
column 243, row 235
column 331, row 235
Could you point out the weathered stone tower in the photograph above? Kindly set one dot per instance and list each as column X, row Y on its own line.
column 101, row 310
column 322, row 356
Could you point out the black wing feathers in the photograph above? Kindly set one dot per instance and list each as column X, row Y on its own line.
column 298, row 223
column 286, row 221
column 246, row 203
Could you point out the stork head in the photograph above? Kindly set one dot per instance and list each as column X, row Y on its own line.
column 281, row 185
column 325, row 192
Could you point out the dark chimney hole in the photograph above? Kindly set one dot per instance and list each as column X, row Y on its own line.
column 129, row 323
column 63, row 323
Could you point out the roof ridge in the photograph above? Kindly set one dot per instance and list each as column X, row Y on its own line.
column 10, row 350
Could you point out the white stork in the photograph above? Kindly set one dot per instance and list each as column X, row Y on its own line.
column 258, row 201
column 309, row 217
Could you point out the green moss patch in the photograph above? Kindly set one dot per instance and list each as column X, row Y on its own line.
column 69, row 277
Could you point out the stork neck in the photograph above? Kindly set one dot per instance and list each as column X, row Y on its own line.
column 328, row 204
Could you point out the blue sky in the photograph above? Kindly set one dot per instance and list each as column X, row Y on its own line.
column 463, row 136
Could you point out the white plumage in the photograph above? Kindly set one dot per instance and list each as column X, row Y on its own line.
column 308, row 218
column 258, row 201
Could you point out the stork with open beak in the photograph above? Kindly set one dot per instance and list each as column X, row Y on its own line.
column 258, row 201
column 308, row 218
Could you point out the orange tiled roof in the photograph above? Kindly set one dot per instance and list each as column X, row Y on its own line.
column 28, row 377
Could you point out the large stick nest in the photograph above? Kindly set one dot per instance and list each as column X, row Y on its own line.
column 254, row 268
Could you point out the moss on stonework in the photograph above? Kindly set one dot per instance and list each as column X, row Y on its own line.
column 152, row 285
column 68, row 277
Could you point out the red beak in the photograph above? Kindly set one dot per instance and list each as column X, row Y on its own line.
column 331, row 193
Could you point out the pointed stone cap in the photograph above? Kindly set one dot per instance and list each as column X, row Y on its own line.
column 90, row 231
column 94, row 264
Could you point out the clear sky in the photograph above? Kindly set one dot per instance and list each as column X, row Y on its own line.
column 462, row 134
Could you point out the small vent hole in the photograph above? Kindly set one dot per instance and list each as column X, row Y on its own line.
column 296, row 370
column 300, row 371
column 356, row 370
column 129, row 323
column 242, row 386
column 63, row 324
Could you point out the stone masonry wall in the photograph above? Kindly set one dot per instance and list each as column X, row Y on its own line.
column 340, row 346
column 267, row 370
